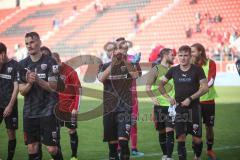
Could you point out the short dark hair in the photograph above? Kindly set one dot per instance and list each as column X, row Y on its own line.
column 33, row 35
column 3, row 48
column 185, row 48
column 44, row 48
column 163, row 52
column 120, row 39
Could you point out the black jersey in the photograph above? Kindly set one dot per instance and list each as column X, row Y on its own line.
column 186, row 83
column 117, row 88
column 39, row 102
column 8, row 75
column 109, row 96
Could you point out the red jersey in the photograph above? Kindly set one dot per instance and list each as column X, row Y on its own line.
column 69, row 99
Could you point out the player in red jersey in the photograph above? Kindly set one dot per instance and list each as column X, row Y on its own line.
column 69, row 101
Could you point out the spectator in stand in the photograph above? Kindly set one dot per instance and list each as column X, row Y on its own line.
column 233, row 36
column 137, row 20
column 218, row 19
column 198, row 21
column 226, row 36
column 98, row 6
column 74, row 10
column 198, row 16
column 188, row 32
column 193, row 2
column 56, row 23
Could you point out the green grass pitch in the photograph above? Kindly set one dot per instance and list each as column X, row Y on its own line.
column 91, row 147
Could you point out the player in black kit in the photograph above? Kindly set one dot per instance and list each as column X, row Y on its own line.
column 190, row 83
column 38, row 88
column 8, row 97
column 116, row 77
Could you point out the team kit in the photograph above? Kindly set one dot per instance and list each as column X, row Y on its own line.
column 182, row 95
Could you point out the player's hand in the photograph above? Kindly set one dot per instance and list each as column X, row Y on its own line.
column 74, row 112
column 172, row 101
column 31, row 77
column 155, row 101
column 7, row 111
column 186, row 102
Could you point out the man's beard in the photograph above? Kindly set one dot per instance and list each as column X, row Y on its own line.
column 170, row 62
column 119, row 56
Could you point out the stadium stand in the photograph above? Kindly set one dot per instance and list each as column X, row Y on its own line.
column 86, row 31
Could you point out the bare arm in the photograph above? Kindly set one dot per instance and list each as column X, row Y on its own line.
column 48, row 86
column 202, row 90
column 138, row 67
column 9, row 107
column 24, row 88
column 14, row 94
column 102, row 76
column 150, row 80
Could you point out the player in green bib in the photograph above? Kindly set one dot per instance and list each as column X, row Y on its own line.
column 207, row 101
column 161, row 104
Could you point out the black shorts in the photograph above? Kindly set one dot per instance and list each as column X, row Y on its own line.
column 43, row 129
column 11, row 121
column 160, row 117
column 69, row 124
column 188, row 121
column 208, row 114
column 116, row 124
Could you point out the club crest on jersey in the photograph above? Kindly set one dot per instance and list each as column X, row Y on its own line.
column 55, row 69
column 195, row 127
column 128, row 127
column 123, row 68
column 9, row 69
column 43, row 66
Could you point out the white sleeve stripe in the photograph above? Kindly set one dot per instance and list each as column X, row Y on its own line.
column 79, row 99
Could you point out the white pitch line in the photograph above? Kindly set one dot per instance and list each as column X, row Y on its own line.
column 159, row 154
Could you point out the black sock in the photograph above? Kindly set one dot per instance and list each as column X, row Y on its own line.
column 197, row 147
column 182, row 154
column 74, row 143
column 125, row 152
column 170, row 143
column 162, row 142
column 59, row 149
column 113, row 154
column 34, row 156
column 58, row 155
column 11, row 149
column 40, row 150
column 209, row 144
column 194, row 148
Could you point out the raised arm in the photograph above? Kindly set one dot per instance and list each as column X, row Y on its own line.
column 103, row 75
column 131, row 69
